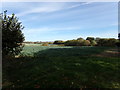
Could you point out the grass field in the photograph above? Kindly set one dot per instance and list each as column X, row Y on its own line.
column 63, row 67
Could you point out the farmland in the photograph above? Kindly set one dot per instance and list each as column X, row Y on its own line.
column 63, row 67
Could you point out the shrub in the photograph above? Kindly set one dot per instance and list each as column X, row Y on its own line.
column 45, row 44
column 80, row 39
column 90, row 38
column 93, row 43
column 107, row 42
column 58, row 42
column 118, row 44
column 77, row 43
column 97, row 39
column 71, row 43
column 86, row 43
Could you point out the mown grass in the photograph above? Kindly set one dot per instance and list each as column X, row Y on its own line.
column 63, row 67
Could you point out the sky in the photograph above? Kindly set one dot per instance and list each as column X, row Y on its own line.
column 50, row 21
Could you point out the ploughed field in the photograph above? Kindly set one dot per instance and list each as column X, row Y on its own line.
column 63, row 67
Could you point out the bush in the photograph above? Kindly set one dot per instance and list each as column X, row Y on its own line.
column 107, row 42
column 45, row 44
column 93, row 43
column 77, row 43
column 118, row 44
column 80, row 39
column 90, row 38
column 97, row 39
column 71, row 43
column 86, row 43
column 58, row 42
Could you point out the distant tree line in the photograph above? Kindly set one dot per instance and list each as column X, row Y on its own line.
column 90, row 41
column 38, row 42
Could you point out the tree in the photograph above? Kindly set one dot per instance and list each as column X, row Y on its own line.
column 97, row 39
column 119, row 36
column 70, row 43
column 77, row 43
column 112, row 41
column 45, row 44
column 102, row 42
column 80, row 39
column 12, row 36
column 93, row 43
column 90, row 38
column 118, row 43
column 86, row 43
column 58, row 42
column 107, row 42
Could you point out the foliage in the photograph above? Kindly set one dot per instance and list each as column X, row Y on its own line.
column 12, row 36
column 80, row 39
column 45, row 44
column 107, row 42
column 90, row 41
column 93, row 43
column 86, row 43
column 74, row 43
column 90, row 38
column 71, row 43
column 119, row 36
column 97, row 39
column 50, row 42
column 118, row 43
column 58, row 42
column 79, row 42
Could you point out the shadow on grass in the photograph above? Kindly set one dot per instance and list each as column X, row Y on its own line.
column 63, row 68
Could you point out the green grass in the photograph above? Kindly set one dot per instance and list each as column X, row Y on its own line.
column 62, row 67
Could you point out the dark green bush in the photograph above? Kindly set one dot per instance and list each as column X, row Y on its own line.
column 86, row 43
column 107, row 42
column 58, row 42
column 77, row 43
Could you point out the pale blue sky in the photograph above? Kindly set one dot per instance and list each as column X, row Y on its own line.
column 49, row 21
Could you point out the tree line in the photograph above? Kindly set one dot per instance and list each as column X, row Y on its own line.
column 90, row 41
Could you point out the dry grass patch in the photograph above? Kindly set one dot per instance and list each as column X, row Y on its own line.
column 109, row 53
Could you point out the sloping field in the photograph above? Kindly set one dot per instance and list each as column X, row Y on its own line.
column 63, row 67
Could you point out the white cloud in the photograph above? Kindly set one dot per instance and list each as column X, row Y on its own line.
column 43, row 8
column 49, row 7
column 63, row 6
column 48, row 29
column 85, row 3
column 37, row 10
